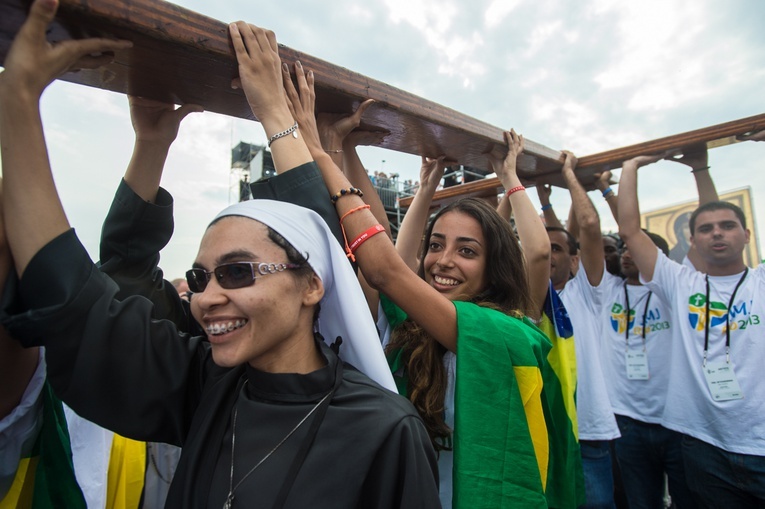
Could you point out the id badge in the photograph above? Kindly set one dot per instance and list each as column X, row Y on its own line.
column 637, row 365
column 722, row 381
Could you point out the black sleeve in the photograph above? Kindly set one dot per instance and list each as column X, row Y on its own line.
column 133, row 234
column 304, row 186
column 404, row 473
column 106, row 358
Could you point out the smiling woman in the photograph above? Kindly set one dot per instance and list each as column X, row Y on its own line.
column 260, row 387
column 468, row 303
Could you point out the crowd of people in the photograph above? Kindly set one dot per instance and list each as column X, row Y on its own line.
column 307, row 360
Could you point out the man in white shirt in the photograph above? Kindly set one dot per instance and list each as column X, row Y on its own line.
column 715, row 396
column 638, row 329
column 580, row 296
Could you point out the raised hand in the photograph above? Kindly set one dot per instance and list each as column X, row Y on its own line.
column 156, row 121
column 260, row 75
column 432, row 171
column 32, row 62
column 325, row 131
column 755, row 136
column 604, row 180
column 505, row 166
column 334, row 127
column 696, row 157
column 301, row 101
column 544, row 191
column 644, row 160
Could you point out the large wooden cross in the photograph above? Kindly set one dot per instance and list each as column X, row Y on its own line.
column 181, row 56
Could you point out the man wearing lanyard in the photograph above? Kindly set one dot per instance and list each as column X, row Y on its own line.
column 715, row 393
column 638, row 329
column 580, row 297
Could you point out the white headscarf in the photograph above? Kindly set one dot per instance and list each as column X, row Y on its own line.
column 344, row 310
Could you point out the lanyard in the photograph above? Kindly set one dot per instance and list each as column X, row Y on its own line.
column 727, row 319
column 645, row 314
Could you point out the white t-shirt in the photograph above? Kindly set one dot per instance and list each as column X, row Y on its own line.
column 639, row 399
column 736, row 425
column 593, row 408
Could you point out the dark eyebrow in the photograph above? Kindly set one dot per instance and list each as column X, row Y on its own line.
column 240, row 255
column 232, row 256
column 459, row 239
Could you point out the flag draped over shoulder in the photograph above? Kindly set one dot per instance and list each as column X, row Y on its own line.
column 46, row 480
column 565, row 487
column 500, row 437
column 501, row 442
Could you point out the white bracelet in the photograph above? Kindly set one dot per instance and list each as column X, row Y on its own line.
column 292, row 130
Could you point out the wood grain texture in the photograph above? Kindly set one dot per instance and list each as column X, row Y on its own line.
column 184, row 57
column 711, row 137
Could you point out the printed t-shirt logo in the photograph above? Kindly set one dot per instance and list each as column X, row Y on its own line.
column 718, row 312
column 619, row 321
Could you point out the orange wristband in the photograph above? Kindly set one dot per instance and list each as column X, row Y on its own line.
column 348, row 251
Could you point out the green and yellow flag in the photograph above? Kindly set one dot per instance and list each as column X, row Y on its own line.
column 507, row 448
column 46, row 479
column 565, row 488
column 501, row 439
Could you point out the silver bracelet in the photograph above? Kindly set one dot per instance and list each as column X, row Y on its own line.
column 292, row 130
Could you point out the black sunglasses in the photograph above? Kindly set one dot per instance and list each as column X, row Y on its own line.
column 234, row 275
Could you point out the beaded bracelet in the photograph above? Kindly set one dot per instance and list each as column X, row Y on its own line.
column 343, row 192
column 292, row 130
column 514, row 190
column 546, row 207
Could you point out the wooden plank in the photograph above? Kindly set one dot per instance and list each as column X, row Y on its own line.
column 182, row 56
column 713, row 136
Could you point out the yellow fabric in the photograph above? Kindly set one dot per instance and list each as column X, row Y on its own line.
column 562, row 359
column 127, row 467
column 530, row 384
column 22, row 490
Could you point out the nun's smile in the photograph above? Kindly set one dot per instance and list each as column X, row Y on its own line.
column 267, row 323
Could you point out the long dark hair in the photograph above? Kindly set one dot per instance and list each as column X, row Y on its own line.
column 507, row 290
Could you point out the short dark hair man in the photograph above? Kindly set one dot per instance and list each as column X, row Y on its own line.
column 715, row 390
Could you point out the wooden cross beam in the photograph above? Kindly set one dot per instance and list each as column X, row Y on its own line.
column 184, row 57
column 181, row 56
column 714, row 136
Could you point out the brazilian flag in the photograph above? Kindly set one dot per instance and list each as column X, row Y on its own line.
column 504, row 443
column 565, row 486
column 46, row 479
column 501, row 440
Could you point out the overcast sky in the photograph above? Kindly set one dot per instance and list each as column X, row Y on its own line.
column 587, row 76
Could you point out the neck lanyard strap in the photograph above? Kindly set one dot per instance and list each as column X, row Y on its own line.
column 645, row 315
column 727, row 318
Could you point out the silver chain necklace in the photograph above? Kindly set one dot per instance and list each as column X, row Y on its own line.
column 231, row 488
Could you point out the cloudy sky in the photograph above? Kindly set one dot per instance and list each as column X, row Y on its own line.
column 587, row 76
